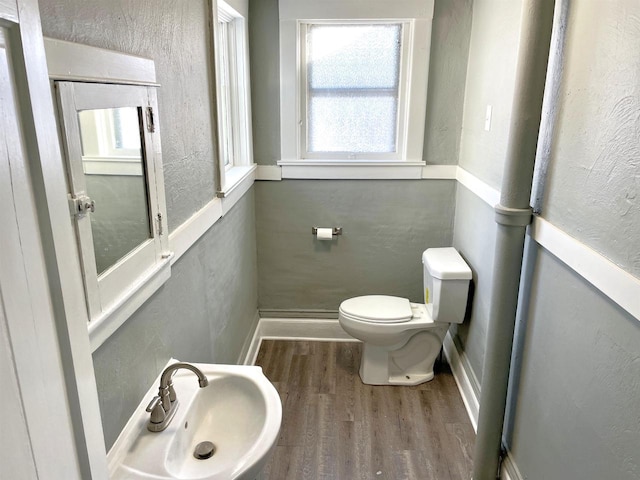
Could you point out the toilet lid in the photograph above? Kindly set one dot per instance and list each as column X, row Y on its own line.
column 378, row 308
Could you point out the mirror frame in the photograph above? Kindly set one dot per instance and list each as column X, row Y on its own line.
column 85, row 78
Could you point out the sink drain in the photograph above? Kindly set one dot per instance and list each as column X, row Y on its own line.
column 204, row 450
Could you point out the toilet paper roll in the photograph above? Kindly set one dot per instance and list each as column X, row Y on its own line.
column 325, row 234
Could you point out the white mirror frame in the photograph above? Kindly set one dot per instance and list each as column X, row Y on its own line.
column 119, row 80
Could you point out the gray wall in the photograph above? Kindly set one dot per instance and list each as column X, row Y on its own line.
column 575, row 401
column 206, row 310
column 202, row 314
column 490, row 79
column 574, row 395
column 578, row 400
column 387, row 224
column 474, row 236
column 593, row 189
column 176, row 36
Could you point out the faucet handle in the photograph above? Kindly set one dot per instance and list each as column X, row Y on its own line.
column 157, row 411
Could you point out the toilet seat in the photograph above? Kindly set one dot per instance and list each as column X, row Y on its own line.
column 377, row 309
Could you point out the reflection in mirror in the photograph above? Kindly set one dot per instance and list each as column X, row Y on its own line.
column 113, row 165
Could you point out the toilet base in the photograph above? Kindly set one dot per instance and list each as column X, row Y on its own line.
column 410, row 364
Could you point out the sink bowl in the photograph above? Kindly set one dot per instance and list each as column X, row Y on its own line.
column 239, row 412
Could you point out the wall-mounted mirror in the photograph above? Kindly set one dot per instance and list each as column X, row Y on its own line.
column 116, row 192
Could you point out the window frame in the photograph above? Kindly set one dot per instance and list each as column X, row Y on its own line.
column 409, row 162
column 233, row 100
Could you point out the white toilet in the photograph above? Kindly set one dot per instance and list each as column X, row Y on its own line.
column 402, row 339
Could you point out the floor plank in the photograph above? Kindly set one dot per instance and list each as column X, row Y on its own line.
column 336, row 427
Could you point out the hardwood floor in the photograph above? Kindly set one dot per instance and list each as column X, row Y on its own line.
column 336, row 427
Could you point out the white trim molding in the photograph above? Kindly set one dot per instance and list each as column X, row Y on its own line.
column 481, row 189
column 82, row 63
column 269, row 172
column 440, row 172
column 614, row 282
column 187, row 234
column 101, row 328
column 320, row 330
column 462, row 374
column 336, row 169
column 509, row 469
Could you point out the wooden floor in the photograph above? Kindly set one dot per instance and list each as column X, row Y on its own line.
column 335, row 427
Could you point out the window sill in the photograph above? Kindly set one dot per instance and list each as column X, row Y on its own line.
column 348, row 169
column 237, row 180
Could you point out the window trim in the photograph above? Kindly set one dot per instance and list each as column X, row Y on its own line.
column 294, row 12
column 238, row 112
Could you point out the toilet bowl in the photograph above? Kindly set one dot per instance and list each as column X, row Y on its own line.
column 402, row 339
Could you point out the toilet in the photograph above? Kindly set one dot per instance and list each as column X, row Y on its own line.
column 402, row 339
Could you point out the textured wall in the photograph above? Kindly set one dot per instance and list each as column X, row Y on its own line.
column 265, row 80
column 593, row 190
column 490, row 81
column 447, row 70
column 474, row 235
column 450, row 37
column 202, row 314
column 205, row 311
column 579, row 395
column 176, row 36
column 387, row 225
column 575, row 401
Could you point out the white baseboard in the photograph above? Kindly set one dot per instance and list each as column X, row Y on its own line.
column 248, row 342
column 509, row 470
column 315, row 329
column 459, row 366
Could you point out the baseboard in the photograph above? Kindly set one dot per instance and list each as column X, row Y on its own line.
column 462, row 374
column 248, row 342
column 459, row 367
column 314, row 329
column 509, row 470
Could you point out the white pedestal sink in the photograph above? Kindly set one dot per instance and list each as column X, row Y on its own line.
column 239, row 412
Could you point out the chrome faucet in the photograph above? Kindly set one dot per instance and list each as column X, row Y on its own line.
column 163, row 406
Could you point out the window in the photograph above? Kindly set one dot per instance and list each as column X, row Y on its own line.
column 232, row 89
column 353, row 85
column 351, row 81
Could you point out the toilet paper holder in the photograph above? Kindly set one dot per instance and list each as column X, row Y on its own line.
column 335, row 230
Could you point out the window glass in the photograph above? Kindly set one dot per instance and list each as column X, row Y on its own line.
column 353, row 73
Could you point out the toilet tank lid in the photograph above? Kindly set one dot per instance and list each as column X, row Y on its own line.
column 378, row 308
column 446, row 264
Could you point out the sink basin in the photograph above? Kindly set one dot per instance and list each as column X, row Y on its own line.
column 239, row 412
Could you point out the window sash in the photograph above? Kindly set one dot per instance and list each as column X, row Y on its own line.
column 308, row 93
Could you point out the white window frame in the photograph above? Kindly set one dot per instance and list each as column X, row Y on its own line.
column 233, row 105
column 408, row 163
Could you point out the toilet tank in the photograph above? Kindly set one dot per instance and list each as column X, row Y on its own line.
column 446, row 284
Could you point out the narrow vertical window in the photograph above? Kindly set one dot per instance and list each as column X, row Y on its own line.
column 232, row 96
